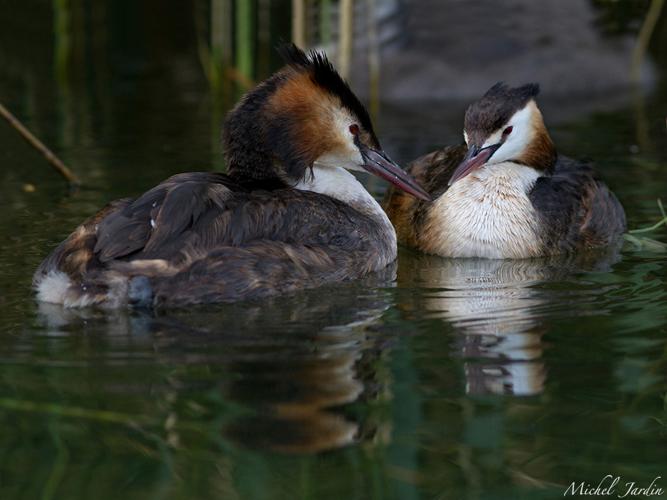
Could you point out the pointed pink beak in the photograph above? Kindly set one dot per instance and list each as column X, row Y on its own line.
column 473, row 159
column 378, row 163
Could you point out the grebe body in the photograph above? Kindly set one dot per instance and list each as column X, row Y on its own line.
column 505, row 193
column 287, row 214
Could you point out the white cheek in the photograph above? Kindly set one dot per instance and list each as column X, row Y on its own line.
column 348, row 155
column 511, row 149
column 519, row 138
column 514, row 145
column 350, row 159
column 493, row 139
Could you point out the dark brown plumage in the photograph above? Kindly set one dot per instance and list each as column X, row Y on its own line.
column 530, row 203
column 208, row 237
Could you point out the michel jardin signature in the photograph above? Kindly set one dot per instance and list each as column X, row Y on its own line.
column 614, row 487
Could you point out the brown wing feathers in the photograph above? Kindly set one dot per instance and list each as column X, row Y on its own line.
column 575, row 208
column 195, row 240
column 161, row 214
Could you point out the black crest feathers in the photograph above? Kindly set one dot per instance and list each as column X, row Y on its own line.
column 325, row 75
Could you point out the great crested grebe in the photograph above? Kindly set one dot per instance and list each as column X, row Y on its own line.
column 505, row 193
column 287, row 215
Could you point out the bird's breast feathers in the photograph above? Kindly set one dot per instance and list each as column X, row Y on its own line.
column 486, row 214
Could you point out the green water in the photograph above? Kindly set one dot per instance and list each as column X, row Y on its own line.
column 438, row 379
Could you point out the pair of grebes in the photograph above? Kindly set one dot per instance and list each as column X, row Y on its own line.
column 289, row 215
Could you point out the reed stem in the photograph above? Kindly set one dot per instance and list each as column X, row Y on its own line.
column 55, row 162
column 299, row 23
column 346, row 26
column 245, row 15
column 644, row 37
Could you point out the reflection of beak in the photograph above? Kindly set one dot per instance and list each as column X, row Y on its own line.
column 473, row 159
column 378, row 163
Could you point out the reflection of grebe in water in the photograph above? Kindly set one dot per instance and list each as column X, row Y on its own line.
column 289, row 363
column 497, row 306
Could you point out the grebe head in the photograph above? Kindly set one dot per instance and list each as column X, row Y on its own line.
column 305, row 116
column 506, row 125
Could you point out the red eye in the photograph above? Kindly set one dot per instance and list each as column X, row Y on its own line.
column 507, row 131
column 354, row 129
